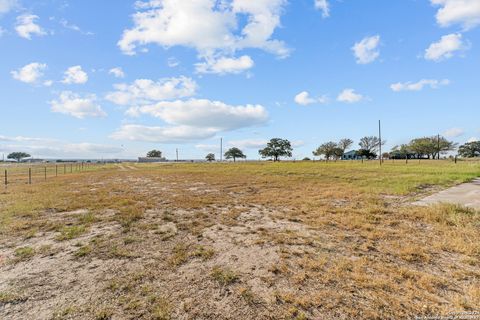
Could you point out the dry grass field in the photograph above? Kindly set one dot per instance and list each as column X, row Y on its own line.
column 239, row 241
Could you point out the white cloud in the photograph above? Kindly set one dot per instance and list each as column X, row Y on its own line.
column 454, row 133
column 117, row 72
column 366, row 51
column 23, row 139
column 26, row 26
column 2, row 31
column 473, row 139
column 417, row 86
column 145, row 91
column 249, row 143
column 79, row 107
column 304, row 99
column 213, row 28
column 208, row 147
column 172, row 62
column 74, row 27
column 203, row 113
column 30, row 73
column 350, row 96
column 75, row 75
column 225, row 65
column 7, row 5
column 445, row 48
column 60, row 149
column 173, row 134
column 464, row 12
column 324, row 7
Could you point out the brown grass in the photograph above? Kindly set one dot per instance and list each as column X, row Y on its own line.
column 243, row 241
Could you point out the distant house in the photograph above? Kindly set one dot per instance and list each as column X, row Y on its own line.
column 351, row 155
column 151, row 160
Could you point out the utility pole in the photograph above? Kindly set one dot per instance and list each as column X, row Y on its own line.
column 380, row 140
column 221, row 149
column 176, row 150
column 438, row 146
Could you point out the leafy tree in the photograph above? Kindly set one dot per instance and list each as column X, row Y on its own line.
column 210, row 157
column 18, row 156
column 431, row 146
column 344, row 144
column 371, row 144
column 329, row 150
column 364, row 153
column 306, row 159
column 154, row 154
column 401, row 152
column 470, row 149
column 277, row 148
column 234, row 153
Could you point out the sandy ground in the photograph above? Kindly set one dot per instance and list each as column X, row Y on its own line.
column 467, row 194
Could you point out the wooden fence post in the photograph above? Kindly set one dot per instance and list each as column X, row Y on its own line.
column 6, row 178
column 56, row 170
column 45, row 173
column 29, row 175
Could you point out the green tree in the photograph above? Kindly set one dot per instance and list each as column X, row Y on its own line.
column 154, row 154
column 370, row 144
column 277, row 148
column 431, row 147
column 329, row 150
column 344, row 144
column 401, row 152
column 364, row 153
column 18, row 156
column 470, row 149
column 210, row 157
column 234, row 153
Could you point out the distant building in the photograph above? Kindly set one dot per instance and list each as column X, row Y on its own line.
column 151, row 160
column 351, row 155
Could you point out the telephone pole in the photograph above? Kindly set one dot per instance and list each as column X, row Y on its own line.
column 380, row 140
column 221, row 149
column 438, row 146
column 176, row 150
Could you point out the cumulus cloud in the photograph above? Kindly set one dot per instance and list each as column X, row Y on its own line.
column 203, row 113
column 145, row 91
column 75, row 75
column 445, row 48
column 304, row 99
column 324, row 6
column 29, row 73
column 463, row 12
column 473, row 139
column 117, row 72
column 366, row 51
column 190, row 120
column 7, row 5
column 417, row 86
column 79, row 107
column 212, row 28
column 350, row 96
column 173, row 134
column 454, row 133
column 61, row 149
column 26, row 26
column 225, row 65
column 208, row 147
column 249, row 143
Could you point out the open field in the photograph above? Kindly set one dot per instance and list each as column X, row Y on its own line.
column 240, row 241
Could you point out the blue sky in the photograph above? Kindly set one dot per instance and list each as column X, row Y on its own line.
column 114, row 79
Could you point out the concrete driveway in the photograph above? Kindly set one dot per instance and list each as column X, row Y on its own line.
column 467, row 194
